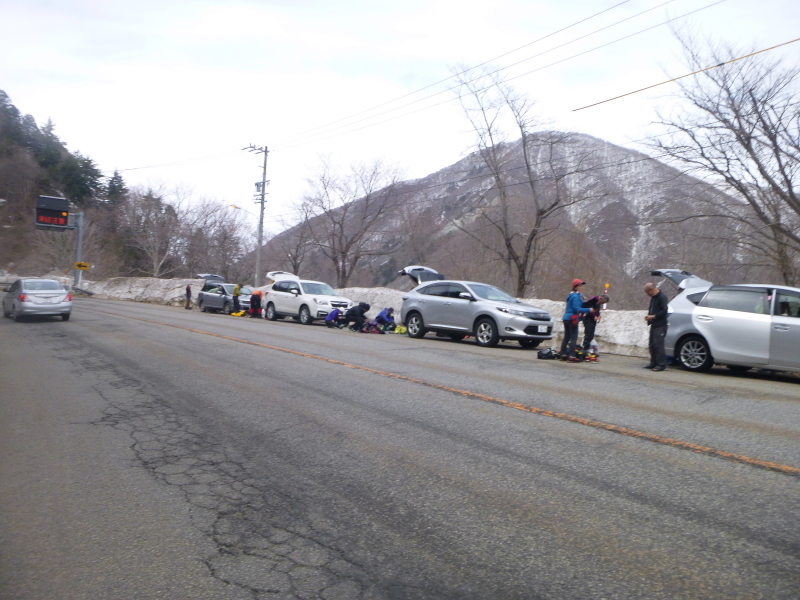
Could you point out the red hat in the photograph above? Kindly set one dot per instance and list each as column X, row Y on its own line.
column 577, row 282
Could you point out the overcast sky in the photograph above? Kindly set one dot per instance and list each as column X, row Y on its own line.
column 169, row 92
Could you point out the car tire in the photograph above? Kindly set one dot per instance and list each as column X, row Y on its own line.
column 201, row 307
column 415, row 326
column 694, row 354
column 738, row 369
column 226, row 308
column 486, row 333
column 270, row 314
column 6, row 314
column 529, row 344
column 457, row 337
column 15, row 317
column 65, row 316
column 305, row 315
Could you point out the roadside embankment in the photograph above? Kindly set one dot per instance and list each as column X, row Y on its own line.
column 619, row 332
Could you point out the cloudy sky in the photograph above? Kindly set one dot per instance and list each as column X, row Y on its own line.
column 169, row 92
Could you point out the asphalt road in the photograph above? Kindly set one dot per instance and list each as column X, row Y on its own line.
column 152, row 452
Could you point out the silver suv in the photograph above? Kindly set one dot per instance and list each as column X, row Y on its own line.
column 739, row 326
column 457, row 309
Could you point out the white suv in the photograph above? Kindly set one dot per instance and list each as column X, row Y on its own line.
column 303, row 300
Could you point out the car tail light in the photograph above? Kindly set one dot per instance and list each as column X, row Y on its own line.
column 23, row 298
column 68, row 298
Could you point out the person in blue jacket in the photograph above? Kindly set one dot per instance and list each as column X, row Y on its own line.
column 571, row 319
column 385, row 319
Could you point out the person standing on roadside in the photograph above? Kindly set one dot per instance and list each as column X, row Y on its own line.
column 188, row 304
column 237, row 290
column 571, row 320
column 657, row 320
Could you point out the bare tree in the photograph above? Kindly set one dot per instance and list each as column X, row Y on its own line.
column 518, row 212
column 742, row 134
column 151, row 229
column 213, row 238
column 294, row 244
column 344, row 213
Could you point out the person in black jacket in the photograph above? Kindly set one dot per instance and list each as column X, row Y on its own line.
column 591, row 320
column 357, row 316
column 657, row 320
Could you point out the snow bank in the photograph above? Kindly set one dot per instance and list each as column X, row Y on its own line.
column 619, row 331
column 144, row 289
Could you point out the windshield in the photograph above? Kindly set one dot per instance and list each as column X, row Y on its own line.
column 317, row 289
column 245, row 291
column 42, row 285
column 489, row 292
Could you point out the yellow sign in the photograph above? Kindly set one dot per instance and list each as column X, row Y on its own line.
column 82, row 266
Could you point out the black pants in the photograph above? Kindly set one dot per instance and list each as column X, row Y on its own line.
column 658, row 355
column 236, row 307
column 357, row 320
column 570, row 338
column 589, row 326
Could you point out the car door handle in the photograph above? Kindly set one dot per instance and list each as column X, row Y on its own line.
column 447, row 303
column 781, row 328
column 704, row 318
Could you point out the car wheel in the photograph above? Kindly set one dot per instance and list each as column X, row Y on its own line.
column 457, row 337
column 529, row 343
column 694, row 354
column 270, row 314
column 415, row 326
column 226, row 308
column 202, row 308
column 6, row 314
column 14, row 316
column 486, row 333
column 305, row 315
column 65, row 316
column 739, row 368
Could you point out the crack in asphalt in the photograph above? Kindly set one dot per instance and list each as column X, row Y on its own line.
column 257, row 551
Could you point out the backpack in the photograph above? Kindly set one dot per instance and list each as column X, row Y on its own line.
column 547, row 354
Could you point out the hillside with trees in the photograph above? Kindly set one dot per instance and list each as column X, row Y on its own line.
column 128, row 232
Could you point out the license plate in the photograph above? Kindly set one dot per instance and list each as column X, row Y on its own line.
column 542, row 328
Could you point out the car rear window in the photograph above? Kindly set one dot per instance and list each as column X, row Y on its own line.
column 744, row 300
column 437, row 289
column 33, row 286
column 787, row 305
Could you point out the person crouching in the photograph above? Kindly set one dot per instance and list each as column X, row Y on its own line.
column 385, row 319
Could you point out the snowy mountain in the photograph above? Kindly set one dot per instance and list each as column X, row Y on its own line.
column 623, row 215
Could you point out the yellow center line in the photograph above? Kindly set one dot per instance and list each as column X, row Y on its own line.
column 771, row 466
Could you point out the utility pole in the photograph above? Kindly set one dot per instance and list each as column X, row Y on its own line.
column 262, row 188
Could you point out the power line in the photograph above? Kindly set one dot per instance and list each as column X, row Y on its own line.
column 422, row 89
column 300, row 143
column 450, row 89
column 727, row 62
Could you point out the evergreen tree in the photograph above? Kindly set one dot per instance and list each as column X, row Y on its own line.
column 10, row 127
column 81, row 179
column 116, row 191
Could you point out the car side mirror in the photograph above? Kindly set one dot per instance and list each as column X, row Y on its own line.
column 295, row 292
column 466, row 296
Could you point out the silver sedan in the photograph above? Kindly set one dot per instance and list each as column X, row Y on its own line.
column 41, row 297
